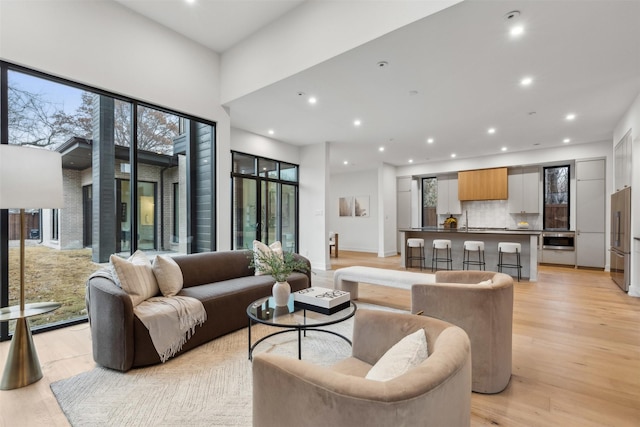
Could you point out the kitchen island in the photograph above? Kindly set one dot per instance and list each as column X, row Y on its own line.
column 490, row 236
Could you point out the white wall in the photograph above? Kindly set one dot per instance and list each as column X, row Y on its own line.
column 356, row 234
column 104, row 45
column 312, row 33
column 631, row 120
column 314, row 184
column 387, row 201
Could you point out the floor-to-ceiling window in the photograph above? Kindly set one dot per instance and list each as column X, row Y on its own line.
column 556, row 198
column 429, row 202
column 265, row 202
column 136, row 176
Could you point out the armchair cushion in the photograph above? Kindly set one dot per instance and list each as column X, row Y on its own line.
column 407, row 353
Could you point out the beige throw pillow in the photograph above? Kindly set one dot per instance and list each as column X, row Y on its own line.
column 274, row 248
column 135, row 276
column 168, row 275
column 407, row 353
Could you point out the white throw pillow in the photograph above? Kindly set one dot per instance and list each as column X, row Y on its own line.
column 274, row 248
column 168, row 275
column 135, row 276
column 407, row 353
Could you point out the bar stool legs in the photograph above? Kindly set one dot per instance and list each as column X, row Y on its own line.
column 413, row 244
column 441, row 245
column 472, row 246
column 509, row 248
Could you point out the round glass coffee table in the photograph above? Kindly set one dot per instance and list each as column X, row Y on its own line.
column 292, row 318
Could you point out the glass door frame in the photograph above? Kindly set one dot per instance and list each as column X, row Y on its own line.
column 264, row 181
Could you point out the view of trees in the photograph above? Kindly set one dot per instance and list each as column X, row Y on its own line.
column 35, row 119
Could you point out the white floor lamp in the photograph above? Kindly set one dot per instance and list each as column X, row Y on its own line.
column 29, row 178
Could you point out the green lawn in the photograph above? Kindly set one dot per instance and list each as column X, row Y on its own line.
column 52, row 275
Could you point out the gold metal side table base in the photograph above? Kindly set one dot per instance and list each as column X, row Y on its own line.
column 23, row 366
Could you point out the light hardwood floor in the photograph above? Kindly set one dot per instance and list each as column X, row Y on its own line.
column 576, row 353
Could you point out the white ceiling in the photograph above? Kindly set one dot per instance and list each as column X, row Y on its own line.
column 217, row 24
column 450, row 76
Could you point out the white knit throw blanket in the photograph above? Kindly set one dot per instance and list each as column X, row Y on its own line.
column 171, row 321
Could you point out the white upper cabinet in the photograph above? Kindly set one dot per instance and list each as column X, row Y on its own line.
column 448, row 202
column 403, row 213
column 524, row 190
column 622, row 165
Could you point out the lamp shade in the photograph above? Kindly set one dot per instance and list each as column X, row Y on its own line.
column 30, row 178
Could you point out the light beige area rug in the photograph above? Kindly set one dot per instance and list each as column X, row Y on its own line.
column 207, row 386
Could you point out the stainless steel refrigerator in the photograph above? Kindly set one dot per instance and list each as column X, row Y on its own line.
column 621, row 237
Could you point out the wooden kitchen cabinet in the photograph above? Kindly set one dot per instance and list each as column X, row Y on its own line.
column 524, row 190
column 448, row 202
column 483, row 184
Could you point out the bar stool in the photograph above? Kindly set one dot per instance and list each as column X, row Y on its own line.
column 441, row 245
column 509, row 248
column 413, row 244
column 473, row 246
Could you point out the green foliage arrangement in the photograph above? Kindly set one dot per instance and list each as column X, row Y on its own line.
column 280, row 267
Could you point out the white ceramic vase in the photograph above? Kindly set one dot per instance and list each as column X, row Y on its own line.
column 281, row 292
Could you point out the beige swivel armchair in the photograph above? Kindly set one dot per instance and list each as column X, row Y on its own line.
column 483, row 310
column 437, row 392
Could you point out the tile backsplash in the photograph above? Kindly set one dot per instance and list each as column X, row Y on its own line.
column 493, row 214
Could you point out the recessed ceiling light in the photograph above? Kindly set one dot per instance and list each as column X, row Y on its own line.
column 346, row 162
column 430, row 141
column 312, row 100
column 516, row 30
column 526, row 81
column 381, row 149
column 570, row 116
column 410, row 160
column 566, row 140
column 357, row 122
column 271, row 132
column 491, row 130
column 190, row 1
column 382, row 64
column 453, row 155
column 504, row 149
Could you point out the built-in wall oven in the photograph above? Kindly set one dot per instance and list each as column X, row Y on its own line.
column 559, row 241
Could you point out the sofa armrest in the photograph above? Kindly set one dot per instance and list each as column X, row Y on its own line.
column 111, row 321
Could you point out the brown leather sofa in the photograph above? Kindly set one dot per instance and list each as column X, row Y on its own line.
column 222, row 281
column 484, row 310
column 437, row 392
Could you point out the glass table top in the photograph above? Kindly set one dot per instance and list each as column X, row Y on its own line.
column 265, row 311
